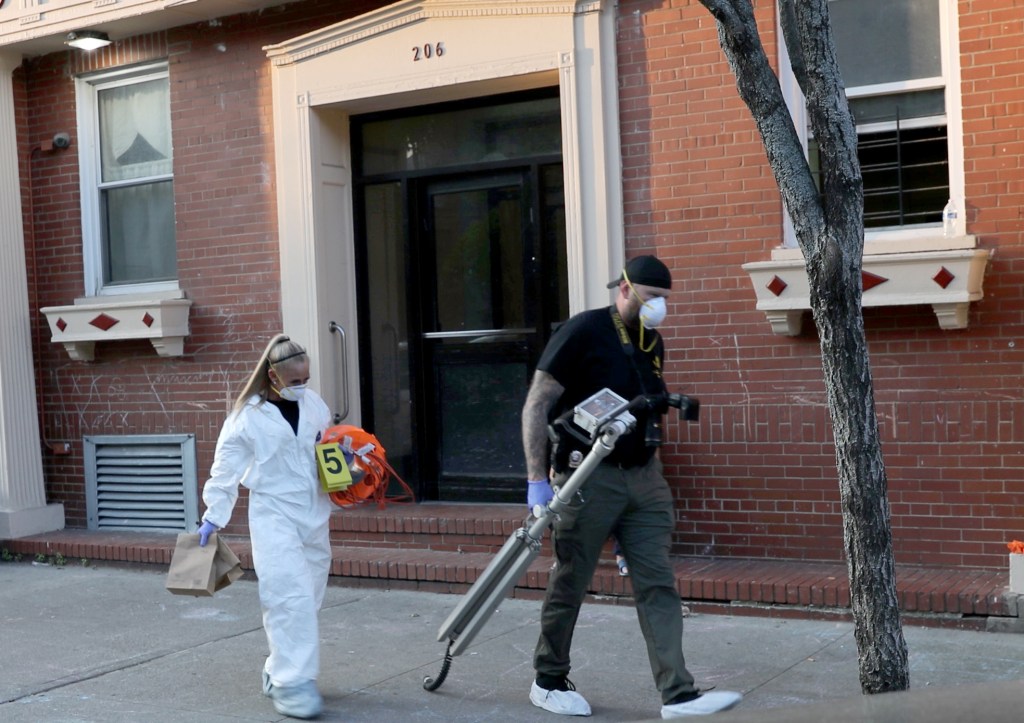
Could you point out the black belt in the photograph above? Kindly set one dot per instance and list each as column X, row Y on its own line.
column 625, row 465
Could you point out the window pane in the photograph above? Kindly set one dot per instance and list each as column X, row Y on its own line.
column 387, row 307
column 898, row 107
column 905, row 172
column 135, row 132
column 469, row 135
column 886, row 41
column 906, row 176
column 139, row 231
column 481, row 413
column 553, row 232
column 478, row 239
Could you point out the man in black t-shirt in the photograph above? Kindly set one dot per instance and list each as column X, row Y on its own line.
column 626, row 495
column 589, row 355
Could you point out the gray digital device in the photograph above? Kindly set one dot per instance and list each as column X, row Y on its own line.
column 594, row 411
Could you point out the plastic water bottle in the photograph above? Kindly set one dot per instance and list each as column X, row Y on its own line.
column 949, row 219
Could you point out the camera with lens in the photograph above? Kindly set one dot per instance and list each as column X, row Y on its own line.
column 658, row 404
column 689, row 408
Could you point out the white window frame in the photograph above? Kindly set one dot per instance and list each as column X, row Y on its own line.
column 918, row 237
column 86, row 92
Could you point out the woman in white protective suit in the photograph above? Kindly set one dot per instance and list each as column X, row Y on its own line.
column 267, row 445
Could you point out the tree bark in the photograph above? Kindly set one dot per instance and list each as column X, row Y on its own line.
column 830, row 230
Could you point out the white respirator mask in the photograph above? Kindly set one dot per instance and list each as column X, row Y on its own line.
column 653, row 312
column 292, row 394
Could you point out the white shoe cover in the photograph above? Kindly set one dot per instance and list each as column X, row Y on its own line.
column 708, row 703
column 297, row 701
column 563, row 702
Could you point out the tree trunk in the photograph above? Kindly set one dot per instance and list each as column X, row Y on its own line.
column 830, row 230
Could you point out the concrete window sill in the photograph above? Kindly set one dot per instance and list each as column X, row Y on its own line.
column 163, row 321
column 948, row 280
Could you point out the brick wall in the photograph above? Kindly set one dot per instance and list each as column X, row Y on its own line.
column 226, row 237
column 757, row 476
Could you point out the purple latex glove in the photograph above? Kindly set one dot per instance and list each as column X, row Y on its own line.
column 538, row 492
column 205, row 530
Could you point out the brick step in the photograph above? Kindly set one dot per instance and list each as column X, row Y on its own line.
column 436, row 526
column 956, row 596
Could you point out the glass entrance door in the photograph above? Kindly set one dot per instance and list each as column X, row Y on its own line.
column 462, row 237
column 479, row 326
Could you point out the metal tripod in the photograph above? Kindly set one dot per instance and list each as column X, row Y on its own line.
column 521, row 548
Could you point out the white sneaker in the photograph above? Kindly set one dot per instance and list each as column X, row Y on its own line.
column 563, row 702
column 705, row 704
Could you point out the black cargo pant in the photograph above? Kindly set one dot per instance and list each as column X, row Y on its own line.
column 636, row 505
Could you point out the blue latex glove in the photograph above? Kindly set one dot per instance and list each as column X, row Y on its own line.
column 538, row 492
column 205, row 530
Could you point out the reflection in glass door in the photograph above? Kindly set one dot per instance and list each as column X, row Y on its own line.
column 388, row 372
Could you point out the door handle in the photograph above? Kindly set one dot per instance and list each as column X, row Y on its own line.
column 478, row 332
column 336, row 328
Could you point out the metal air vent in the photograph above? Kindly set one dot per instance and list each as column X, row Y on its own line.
column 141, row 482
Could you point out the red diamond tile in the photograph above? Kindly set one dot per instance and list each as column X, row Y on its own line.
column 777, row 285
column 148, row 320
column 870, row 280
column 61, row 324
column 944, row 278
column 104, row 322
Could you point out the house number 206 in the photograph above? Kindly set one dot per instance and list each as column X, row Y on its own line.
column 428, row 51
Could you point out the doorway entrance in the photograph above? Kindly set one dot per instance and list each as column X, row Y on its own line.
column 460, row 231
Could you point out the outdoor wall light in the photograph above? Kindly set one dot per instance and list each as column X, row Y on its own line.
column 87, row 39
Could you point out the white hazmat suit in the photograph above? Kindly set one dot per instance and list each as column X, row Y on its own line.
column 288, row 524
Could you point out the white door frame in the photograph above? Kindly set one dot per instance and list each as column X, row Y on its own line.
column 378, row 61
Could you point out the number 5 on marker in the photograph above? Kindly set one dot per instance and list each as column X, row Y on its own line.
column 331, row 467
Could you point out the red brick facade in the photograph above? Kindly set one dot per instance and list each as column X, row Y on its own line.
column 226, row 233
column 756, row 477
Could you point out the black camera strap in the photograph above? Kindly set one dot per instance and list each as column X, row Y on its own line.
column 622, row 331
column 629, row 350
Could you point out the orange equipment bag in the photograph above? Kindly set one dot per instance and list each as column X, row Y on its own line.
column 367, row 455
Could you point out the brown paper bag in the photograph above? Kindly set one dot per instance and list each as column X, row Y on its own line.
column 227, row 566
column 193, row 569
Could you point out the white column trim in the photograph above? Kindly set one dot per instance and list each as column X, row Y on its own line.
column 23, row 508
column 574, row 224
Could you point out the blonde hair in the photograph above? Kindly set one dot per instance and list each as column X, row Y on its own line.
column 279, row 349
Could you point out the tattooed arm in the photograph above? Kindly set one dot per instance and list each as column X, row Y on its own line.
column 544, row 392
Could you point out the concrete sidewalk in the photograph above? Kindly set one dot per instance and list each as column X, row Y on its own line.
column 110, row 644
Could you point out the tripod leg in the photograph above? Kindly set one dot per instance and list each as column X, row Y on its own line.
column 490, row 598
column 493, row 574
